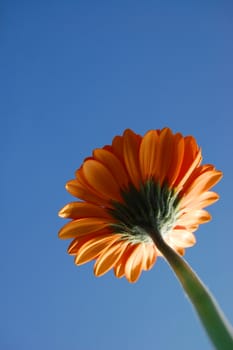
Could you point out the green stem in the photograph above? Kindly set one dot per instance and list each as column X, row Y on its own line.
column 217, row 327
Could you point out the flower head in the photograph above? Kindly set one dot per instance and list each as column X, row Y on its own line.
column 132, row 188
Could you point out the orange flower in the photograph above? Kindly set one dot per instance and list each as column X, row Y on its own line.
column 132, row 188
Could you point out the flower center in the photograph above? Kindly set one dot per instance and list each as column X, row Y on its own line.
column 151, row 208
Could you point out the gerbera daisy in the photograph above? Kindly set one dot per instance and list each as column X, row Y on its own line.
column 132, row 190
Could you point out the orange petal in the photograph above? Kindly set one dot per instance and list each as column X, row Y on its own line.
column 135, row 263
column 72, row 247
column 176, row 159
column 94, row 247
column 150, row 256
column 170, row 242
column 131, row 156
column 100, row 178
column 119, row 268
column 148, row 154
column 189, row 171
column 164, row 154
column 79, row 190
column 109, row 257
column 80, row 227
column 202, row 201
column 192, row 227
column 117, row 147
column 110, row 161
column 78, row 210
column 182, row 238
column 194, row 217
column 73, row 188
column 202, row 184
column 191, row 154
column 78, row 242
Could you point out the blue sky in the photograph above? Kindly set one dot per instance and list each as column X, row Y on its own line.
column 73, row 75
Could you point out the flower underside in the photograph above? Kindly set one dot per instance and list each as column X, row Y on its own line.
column 130, row 191
column 151, row 208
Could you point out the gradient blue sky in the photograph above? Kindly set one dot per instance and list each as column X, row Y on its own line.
column 74, row 74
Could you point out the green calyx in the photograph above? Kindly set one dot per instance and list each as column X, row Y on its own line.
column 152, row 207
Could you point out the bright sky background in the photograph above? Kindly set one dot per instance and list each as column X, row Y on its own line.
column 73, row 75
